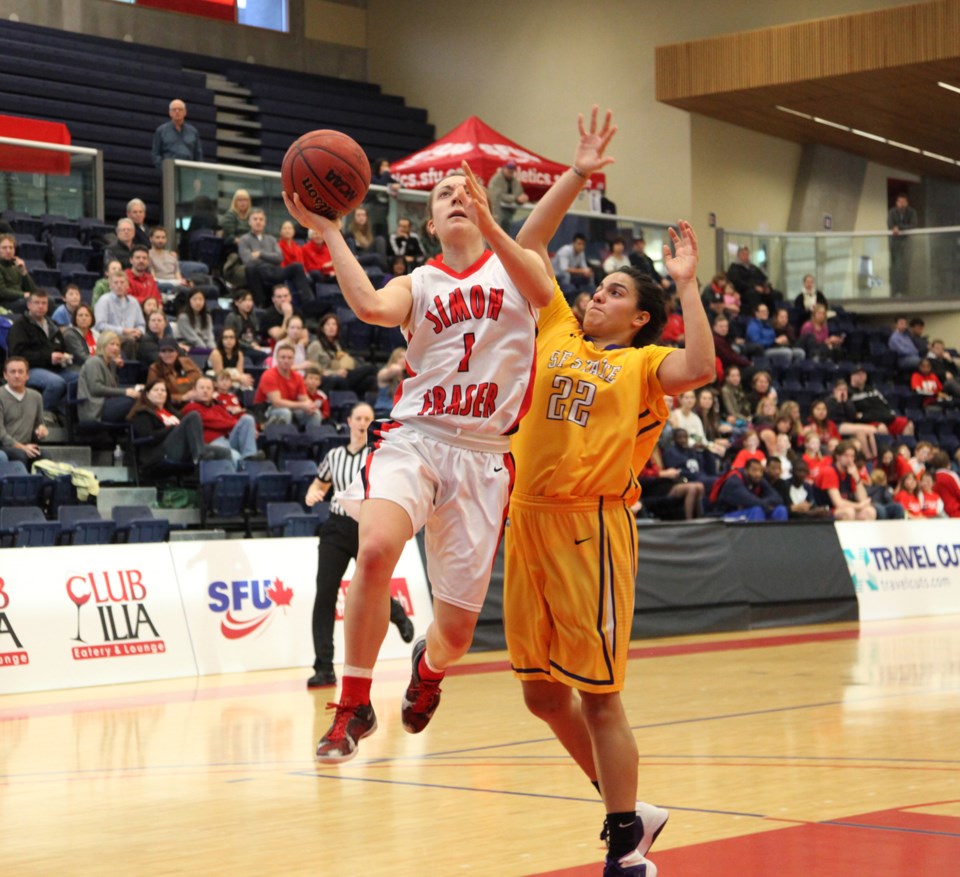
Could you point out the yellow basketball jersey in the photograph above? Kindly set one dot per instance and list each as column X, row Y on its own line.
column 595, row 415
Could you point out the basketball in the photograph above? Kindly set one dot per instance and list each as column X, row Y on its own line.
column 328, row 170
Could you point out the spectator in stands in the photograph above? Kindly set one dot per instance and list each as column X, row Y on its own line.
column 881, row 494
column 694, row 464
column 194, row 325
column 226, row 393
column 907, row 496
column 245, row 323
column 406, row 242
column 808, row 298
column 142, row 284
column 15, row 281
column 922, row 454
column 118, row 311
column 227, row 356
column 164, row 263
column 816, row 338
column 799, row 496
column 299, row 337
column 156, row 330
column 931, row 505
column 370, row 249
column 902, row 217
column 729, row 351
column 783, row 328
column 712, row 296
column 99, row 390
column 284, row 393
column 176, row 138
column 377, row 202
column 764, row 421
column 775, row 345
column 273, row 324
column 137, row 214
column 901, row 343
column 927, row 386
column 506, row 194
column 943, row 366
column 618, row 258
column 946, row 483
column 261, row 257
column 791, row 423
column 813, row 455
column 745, row 495
column 642, row 262
column 388, row 381
column 316, row 257
column 234, row 433
column 916, row 327
column 21, row 414
column 893, row 465
column 660, row 482
column 122, row 249
column 820, row 423
column 848, row 420
column 63, row 315
column 179, row 373
column 235, row 223
column 579, row 306
column 39, row 341
column 761, row 387
column 570, row 266
column 289, row 246
column 750, row 449
column 341, row 371
column 716, row 429
column 673, row 331
column 840, row 480
column 733, row 401
column 752, row 283
column 873, row 408
column 732, row 303
column 164, row 436
column 111, row 266
column 80, row 338
column 312, row 378
column 686, row 418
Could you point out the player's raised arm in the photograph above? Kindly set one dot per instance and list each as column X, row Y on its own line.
column 695, row 364
column 389, row 306
column 542, row 224
column 524, row 266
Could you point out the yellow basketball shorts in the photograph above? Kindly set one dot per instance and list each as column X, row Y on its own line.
column 569, row 590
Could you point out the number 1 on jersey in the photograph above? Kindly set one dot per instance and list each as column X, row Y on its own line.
column 468, row 341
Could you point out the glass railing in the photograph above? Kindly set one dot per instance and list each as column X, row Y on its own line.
column 847, row 266
column 39, row 178
column 196, row 194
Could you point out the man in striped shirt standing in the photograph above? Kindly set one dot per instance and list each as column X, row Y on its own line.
column 339, row 542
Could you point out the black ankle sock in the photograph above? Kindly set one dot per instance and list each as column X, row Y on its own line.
column 596, row 785
column 623, row 829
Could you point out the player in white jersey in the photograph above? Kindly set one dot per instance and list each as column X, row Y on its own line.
column 444, row 461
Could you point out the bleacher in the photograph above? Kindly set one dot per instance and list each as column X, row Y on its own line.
column 112, row 95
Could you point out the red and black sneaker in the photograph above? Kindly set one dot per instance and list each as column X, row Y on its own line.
column 422, row 697
column 350, row 725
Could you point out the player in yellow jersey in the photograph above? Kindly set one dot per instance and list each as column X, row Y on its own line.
column 571, row 550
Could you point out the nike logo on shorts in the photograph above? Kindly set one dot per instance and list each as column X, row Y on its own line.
column 498, row 468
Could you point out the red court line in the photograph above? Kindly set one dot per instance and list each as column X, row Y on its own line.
column 825, row 849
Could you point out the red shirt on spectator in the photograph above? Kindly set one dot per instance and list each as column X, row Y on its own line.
column 830, row 479
column 323, row 403
column 228, row 400
column 946, row 483
column 144, row 287
column 910, row 502
column 826, row 430
column 316, row 257
column 897, row 469
column 291, row 388
column 930, row 504
column 217, row 421
column 746, row 456
column 673, row 331
column 815, row 464
column 928, row 386
column 292, row 252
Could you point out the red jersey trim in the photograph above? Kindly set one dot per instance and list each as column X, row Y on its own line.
column 437, row 262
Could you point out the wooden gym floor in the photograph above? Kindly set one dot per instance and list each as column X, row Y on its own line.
column 829, row 750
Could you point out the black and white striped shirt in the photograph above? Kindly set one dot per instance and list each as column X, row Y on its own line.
column 340, row 467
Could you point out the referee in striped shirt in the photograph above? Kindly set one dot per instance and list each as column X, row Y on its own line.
column 339, row 543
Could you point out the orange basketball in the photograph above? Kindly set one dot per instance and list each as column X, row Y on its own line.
column 328, row 170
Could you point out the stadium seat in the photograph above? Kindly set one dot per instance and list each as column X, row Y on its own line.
column 136, row 523
column 70, row 250
column 223, row 492
column 83, row 525
column 341, row 401
column 289, row 519
column 267, row 484
column 18, row 487
column 302, row 473
column 26, row 527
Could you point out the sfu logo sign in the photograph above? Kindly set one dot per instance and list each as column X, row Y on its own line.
column 247, row 605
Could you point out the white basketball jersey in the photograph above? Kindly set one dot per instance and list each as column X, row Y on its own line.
column 470, row 356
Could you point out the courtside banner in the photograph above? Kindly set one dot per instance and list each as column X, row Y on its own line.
column 90, row 615
column 249, row 602
column 903, row 568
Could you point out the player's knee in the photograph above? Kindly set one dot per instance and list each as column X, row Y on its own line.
column 456, row 636
column 546, row 700
column 378, row 555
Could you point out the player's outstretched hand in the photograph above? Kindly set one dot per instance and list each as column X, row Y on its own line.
column 589, row 157
column 475, row 201
column 681, row 261
column 306, row 218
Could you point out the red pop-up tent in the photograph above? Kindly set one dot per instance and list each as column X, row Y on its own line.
column 485, row 150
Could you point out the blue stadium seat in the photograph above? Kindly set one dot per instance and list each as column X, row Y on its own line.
column 136, row 523
column 18, row 487
column 302, row 473
column 223, row 492
column 32, row 251
column 289, row 519
column 26, row 527
column 83, row 525
column 267, row 484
